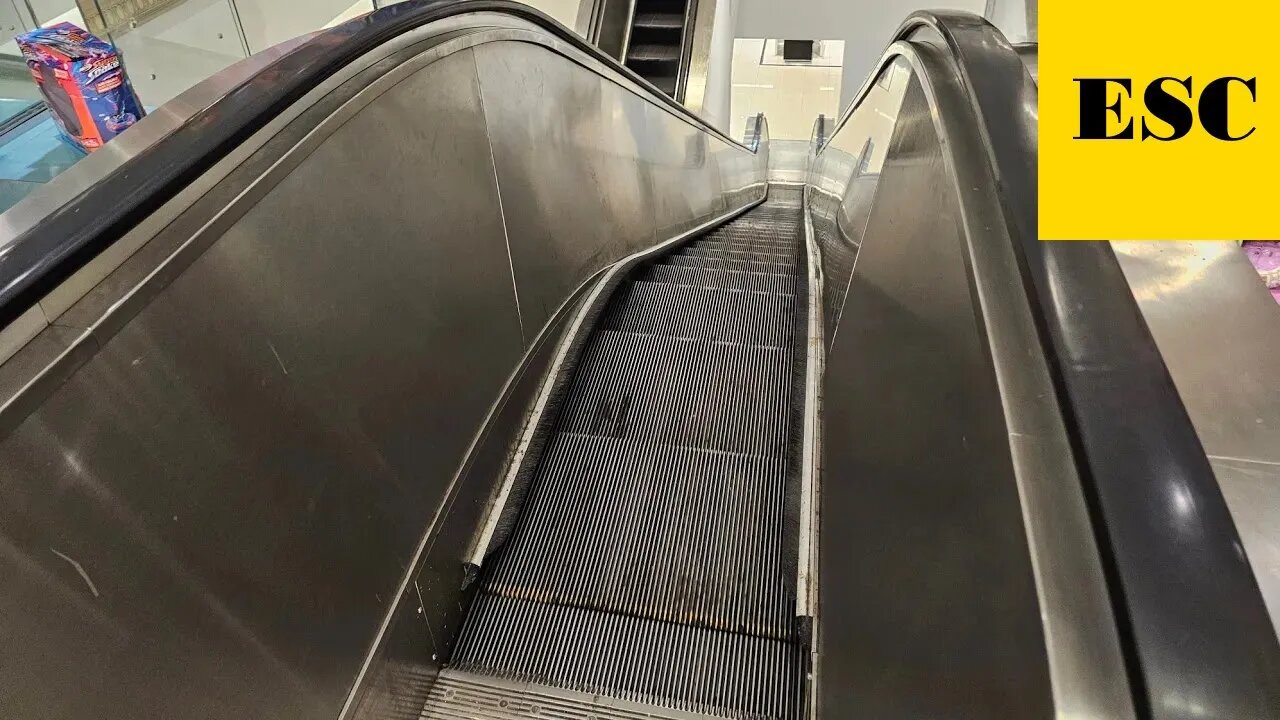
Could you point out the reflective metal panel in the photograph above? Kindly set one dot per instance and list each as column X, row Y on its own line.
column 975, row 122
column 591, row 178
column 1218, row 330
column 217, row 512
column 224, row 496
column 928, row 600
column 843, row 180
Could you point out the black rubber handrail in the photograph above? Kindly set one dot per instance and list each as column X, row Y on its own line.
column 1198, row 636
column 60, row 243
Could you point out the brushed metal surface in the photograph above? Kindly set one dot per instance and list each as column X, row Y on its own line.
column 1078, row 659
column 653, row 174
column 927, row 600
column 42, row 250
column 1218, row 330
column 611, row 26
column 244, row 467
column 696, row 66
column 1186, row 601
column 212, row 506
column 842, row 183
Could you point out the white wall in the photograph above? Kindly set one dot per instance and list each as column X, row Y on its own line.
column 790, row 96
column 866, row 26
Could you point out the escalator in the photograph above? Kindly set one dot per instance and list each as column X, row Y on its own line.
column 653, row 544
column 438, row 367
column 657, row 41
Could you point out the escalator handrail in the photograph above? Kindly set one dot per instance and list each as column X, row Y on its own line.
column 1194, row 624
column 39, row 256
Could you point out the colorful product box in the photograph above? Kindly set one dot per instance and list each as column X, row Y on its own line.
column 83, row 82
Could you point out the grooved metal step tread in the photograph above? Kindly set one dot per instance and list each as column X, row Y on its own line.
column 718, row 263
column 635, row 659
column 775, row 236
column 660, row 21
column 718, row 396
column 731, row 243
column 458, row 695
column 711, row 314
column 657, row 531
column 756, row 255
column 727, row 279
column 654, row 53
column 752, row 239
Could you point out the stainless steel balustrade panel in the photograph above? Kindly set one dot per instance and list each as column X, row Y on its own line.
column 928, row 600
column 560, row 228
column 975, row 95
column 213, row 514
column 1219, row 332
column 843, row 182
column 221, row 500
column 597, row 174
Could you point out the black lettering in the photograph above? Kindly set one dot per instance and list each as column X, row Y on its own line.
column 1094, row 108
column 1213, row 107
column 1168, row 108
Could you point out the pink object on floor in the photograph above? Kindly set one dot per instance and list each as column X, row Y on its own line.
column 1265, row 256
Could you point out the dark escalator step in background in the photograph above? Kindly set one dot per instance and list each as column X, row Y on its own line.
column 657, row 41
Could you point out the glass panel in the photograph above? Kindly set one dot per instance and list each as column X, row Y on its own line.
column 19, row 95
column 30, row 155
column 31, row 151
column 844, row 179
column 169, row 46
column 269, row 22
column 563, row 11
column 18, row 92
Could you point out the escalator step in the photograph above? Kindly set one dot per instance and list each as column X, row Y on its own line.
column 660, row 21
column 636, row 659
column 665, row 83
column 457, row 695
column 750, row 255
column 623, row 527
column 653, row 53
column 779, row 233
column 736, row 316
column 692, row 393
column 790, row 250
column 721, row 263
column 727, row 279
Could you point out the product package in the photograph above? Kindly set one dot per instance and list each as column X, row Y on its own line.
column 83, row 82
